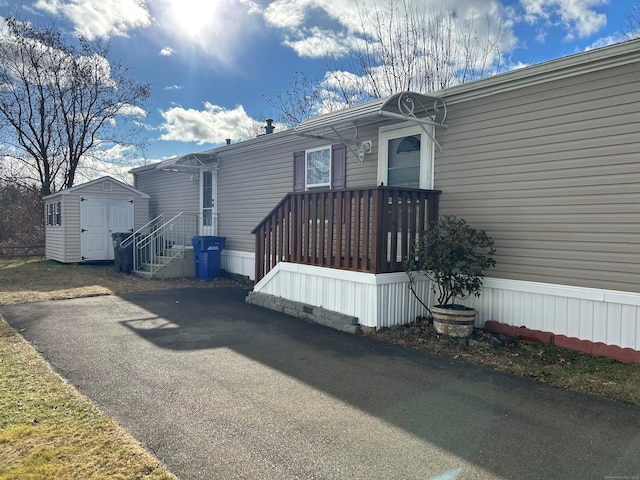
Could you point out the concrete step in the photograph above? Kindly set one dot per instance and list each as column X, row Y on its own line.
column 181, row 266
column 143, row 273
column 328, row 318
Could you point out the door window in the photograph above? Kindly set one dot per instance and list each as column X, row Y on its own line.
column 403, row 168
column 207, row 199
column 405, row 158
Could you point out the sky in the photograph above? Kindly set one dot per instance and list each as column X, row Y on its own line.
column 212, row 64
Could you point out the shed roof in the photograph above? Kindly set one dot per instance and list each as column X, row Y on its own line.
column 75, row 188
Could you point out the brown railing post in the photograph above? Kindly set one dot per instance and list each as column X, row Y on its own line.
column 376, row 228
column 433, row 207
column 357, row 208
column 338, row 228
column 365, row 262
column 258, row 254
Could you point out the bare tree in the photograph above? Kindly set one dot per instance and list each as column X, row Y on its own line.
column 302, row 100
column 631, row 28
column 61, row 102
column 22, row 225
column 400, row 46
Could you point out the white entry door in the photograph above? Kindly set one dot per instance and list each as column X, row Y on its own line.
column 99, row 218
column 209, row 216
column 405, row 157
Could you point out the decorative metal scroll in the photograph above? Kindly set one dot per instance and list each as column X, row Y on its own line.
column 408, row 104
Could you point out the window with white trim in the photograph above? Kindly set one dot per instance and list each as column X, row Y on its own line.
column 53, row 213
column 318, row 168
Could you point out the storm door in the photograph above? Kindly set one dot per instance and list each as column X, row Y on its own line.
column 405, row 158
column 208, row 212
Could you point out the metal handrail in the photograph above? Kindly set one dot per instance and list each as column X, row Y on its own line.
column 129, row 240
column 158, row 244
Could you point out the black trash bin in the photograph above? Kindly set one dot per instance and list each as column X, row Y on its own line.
column 207, row 252
column 122, row 256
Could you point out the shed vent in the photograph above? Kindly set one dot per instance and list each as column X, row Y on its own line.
column 107, row 186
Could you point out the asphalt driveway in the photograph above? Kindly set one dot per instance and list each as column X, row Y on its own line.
column 219, row 389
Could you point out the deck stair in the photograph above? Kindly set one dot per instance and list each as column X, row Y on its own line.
column 162, row 248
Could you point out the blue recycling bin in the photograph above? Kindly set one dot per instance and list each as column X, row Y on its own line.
column 207, row 253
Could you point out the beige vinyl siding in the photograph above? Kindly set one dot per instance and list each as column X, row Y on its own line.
column 54, row 234
column 170, row 192
column 253, row 180
column 140, row 212
column 72, row 251
column 364, row 174
column 250, row 183
column 552, row 172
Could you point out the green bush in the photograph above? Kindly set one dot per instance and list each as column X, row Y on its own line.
column 454, row 256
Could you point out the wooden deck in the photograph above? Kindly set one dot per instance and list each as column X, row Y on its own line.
column 361, row 229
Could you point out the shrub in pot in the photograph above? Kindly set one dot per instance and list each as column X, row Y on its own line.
column 454, row 256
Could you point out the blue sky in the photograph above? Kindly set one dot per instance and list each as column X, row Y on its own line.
column 211, row 63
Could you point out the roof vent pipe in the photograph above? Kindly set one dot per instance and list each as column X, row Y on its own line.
column 270, row 127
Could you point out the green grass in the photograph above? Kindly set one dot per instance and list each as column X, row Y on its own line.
column 49, row 431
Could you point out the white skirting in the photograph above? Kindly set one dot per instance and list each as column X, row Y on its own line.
column 378, row 301
column 241, row 263
column 597, row 315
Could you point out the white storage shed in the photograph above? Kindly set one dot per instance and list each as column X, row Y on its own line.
column 79, row 220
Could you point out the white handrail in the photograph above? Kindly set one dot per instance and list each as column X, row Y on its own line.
column 129, row 240
column 156, row 245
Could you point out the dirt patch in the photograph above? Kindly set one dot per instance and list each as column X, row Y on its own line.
column 557, row 366
column 35, row 280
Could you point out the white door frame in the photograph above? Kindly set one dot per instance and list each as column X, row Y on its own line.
column 427, row 151
column 202, row 227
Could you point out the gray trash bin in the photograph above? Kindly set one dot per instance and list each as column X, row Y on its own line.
column 122, row 256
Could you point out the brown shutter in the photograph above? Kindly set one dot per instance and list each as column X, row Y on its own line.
column 338, row 166
column 298, row 171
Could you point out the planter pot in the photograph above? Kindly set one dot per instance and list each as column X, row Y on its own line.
column 454, row 322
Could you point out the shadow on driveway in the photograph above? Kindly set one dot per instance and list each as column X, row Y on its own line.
column 269, row 368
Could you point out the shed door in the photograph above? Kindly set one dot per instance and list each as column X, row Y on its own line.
column 99, row 218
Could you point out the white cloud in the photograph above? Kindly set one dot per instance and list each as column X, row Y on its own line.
column 133, row 111
column 167, row 52
column 100, row 18
column 577, row 17
column 287, row 14
column 518, row 65
column 317, row 28
column 605, row 42
column 114, row 161
column 319, row 42
column 213, row 124
column 174, row 87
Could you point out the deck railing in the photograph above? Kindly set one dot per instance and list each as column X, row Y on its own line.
column 367, row 230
